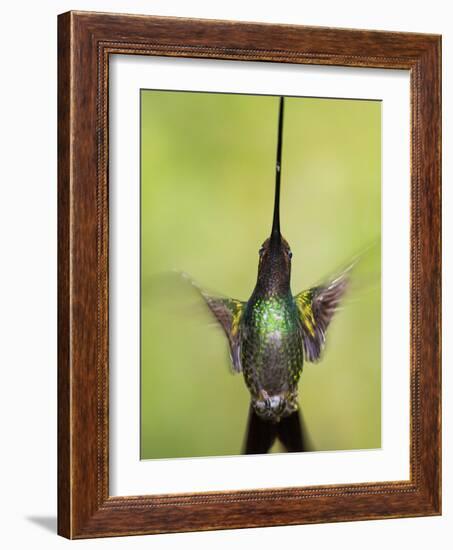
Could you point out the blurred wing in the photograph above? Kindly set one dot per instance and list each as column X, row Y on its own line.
column 228, row 312
column 316, row 307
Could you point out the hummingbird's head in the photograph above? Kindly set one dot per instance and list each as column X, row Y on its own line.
column 274, row 267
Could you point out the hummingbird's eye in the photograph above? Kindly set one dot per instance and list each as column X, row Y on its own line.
column 290, row 254
column 261, row 250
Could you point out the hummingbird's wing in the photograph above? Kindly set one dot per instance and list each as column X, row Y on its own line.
column 227, row 312
column 316, row 307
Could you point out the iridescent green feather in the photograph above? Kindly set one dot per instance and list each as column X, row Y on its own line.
column 271, row 347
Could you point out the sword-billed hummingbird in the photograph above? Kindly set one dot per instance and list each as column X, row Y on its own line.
column 273, row 332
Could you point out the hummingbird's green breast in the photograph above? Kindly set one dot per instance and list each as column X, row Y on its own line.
column 271, row 346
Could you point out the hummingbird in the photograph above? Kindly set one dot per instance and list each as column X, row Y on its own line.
column 272, row 333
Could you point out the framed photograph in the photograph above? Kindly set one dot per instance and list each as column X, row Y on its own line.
column 249, row 275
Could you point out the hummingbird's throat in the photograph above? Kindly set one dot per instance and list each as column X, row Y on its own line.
column 274, row 277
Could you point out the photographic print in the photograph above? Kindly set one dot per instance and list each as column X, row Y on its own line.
column 249, row 274
column 260, row 274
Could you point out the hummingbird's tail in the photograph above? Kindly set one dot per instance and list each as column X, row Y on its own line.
column 261, row 434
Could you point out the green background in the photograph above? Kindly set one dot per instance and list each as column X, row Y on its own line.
column 207, row 185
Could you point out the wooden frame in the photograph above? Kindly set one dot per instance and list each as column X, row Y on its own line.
column 85, row 41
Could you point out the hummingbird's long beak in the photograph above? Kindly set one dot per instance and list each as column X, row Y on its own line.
column 275, row 234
